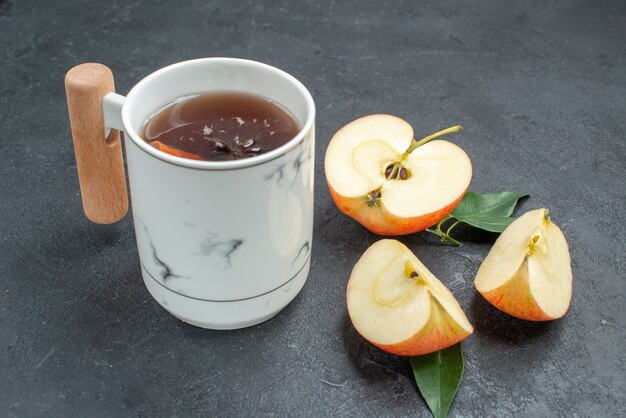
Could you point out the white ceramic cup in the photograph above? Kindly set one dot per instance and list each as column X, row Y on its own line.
column 222, row 245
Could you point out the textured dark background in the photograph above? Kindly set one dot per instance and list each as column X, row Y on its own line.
column 539, row 87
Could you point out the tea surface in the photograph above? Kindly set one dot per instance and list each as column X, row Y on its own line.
column 220, row 126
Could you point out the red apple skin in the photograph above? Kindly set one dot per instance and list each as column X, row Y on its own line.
column 515, row 299
column 379, row 221
column 424, row 342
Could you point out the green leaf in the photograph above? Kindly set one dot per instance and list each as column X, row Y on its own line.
column 438, row 376
column 488, row 211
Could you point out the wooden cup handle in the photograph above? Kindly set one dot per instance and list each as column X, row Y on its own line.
column 98, row 158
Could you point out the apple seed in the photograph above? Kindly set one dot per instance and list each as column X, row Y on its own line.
column 396, row 172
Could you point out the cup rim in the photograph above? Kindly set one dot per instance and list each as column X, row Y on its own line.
column 221, row 165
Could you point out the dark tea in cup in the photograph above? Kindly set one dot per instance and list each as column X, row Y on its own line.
column 220, row 126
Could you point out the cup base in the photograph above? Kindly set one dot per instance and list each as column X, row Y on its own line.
column 225, row 315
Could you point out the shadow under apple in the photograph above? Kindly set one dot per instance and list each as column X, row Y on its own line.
column 373, row 364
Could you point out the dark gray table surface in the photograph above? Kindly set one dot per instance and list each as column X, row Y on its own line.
column 539, row 87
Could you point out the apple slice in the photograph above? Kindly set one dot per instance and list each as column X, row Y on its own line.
column 398, row 305
column 391, row 184
column 528, row 271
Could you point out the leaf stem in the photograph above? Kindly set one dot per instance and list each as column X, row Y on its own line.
column 452, row 226
column 441, row 222
column 449, row 240
column 445, row 236
column 488, row 211
column 434, row 231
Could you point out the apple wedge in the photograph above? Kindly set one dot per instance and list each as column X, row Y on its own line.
column 398, row 305
column 528, row 272
column 391, row 184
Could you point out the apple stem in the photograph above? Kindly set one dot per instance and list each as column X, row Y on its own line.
column 417, row 144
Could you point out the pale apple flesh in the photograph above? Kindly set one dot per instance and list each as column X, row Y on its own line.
column 357, row 164
column 398, row 305
column 528, row 273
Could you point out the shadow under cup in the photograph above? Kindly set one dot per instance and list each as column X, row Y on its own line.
column 222, row 245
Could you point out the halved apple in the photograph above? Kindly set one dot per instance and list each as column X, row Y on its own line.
column 528, row 272
column 398, row 305
column 391, row 184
